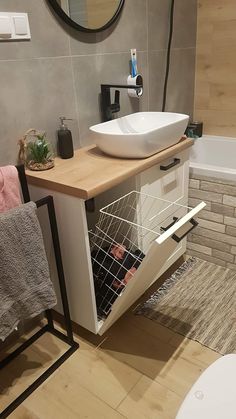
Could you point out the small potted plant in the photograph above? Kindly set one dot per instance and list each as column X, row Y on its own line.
column 36, row 151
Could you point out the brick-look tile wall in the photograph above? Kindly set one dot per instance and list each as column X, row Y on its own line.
column 215, row 237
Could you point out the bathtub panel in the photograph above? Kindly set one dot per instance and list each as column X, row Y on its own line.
column 214, row 240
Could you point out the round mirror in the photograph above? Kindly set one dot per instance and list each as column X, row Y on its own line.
column 88, row 15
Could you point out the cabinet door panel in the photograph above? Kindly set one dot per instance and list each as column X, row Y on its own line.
column 149, row 270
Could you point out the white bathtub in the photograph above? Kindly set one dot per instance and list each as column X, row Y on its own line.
column 213, row 156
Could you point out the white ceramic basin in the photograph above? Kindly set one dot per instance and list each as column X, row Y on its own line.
column 140, row 134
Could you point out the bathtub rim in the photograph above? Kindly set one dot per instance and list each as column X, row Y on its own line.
column 212, row 171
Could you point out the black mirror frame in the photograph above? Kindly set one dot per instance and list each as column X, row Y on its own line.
column 60, row 12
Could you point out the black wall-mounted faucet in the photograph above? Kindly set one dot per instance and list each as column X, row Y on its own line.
column 107, row 107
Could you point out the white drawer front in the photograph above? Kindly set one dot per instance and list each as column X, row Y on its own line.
column 171, row 184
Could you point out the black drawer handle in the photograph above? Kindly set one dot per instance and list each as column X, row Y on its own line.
column 175, row 219
column 172, row 164
column 178, row 239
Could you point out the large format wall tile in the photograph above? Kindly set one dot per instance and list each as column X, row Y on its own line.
column 34, row 93
column 38, row 85
column 185, row 24
column 129, row 32
column 90, row 72
column 180, row 93
column 47, row 37
column 158, row 20
column 157, row 65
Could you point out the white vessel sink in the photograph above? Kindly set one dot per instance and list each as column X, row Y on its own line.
column 140, row 134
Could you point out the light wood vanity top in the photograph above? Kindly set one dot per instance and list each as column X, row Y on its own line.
column 91, row 172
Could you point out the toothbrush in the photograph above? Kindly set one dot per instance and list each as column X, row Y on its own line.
column 134, row 70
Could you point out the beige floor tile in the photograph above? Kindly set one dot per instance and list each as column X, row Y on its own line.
column 138, row 349
column 23, row 413
column 64, row 398
column 104, row 376
column 195, row 352
column 141, row 370
column 151, row 327
column 150, row 400
column 178, row 375
column 28, row 366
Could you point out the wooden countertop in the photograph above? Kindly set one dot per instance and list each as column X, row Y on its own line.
column 91, row 172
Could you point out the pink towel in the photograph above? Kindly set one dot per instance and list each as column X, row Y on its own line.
column 9, row 188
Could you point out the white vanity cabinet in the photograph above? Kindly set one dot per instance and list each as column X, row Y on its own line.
column 73, row 222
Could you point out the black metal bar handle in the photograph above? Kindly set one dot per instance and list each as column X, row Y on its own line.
column 178, row 239
column 23, row 182
column 175, row 219
column 48, row 200
column 172, row 164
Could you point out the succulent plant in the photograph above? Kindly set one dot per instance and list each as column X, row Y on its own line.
column 39, row 149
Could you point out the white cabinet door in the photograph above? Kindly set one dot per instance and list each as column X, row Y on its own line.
column 152, row 265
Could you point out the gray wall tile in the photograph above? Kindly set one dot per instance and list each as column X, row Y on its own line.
column 185, row 24
column 158, row 24
column 156, row 79
column 129, row 32
column 99, row 69
column 48, row 39
column 36, row 89
column 180, row 92
column 36, row 93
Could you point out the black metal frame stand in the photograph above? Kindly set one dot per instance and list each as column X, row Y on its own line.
column 49, row 327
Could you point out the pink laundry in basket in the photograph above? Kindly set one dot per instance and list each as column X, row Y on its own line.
column 9, row 188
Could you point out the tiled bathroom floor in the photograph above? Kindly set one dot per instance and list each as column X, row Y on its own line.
column 137, row 370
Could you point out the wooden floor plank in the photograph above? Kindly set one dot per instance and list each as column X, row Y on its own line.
column 141, row 370
column 150, row 400
column 64, row 398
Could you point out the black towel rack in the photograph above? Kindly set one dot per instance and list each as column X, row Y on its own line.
column 49, row 327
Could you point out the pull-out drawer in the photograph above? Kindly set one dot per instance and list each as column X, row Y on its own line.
column 168, row 180
column 138, row 224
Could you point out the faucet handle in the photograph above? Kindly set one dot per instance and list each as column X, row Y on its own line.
column 117, row 97
column 115, row 107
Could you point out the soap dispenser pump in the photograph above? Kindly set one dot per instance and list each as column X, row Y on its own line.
column 65, row 143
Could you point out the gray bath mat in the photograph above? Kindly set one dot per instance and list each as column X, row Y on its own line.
column 199, row 302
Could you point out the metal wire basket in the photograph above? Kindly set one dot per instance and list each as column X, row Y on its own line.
column 122, row 237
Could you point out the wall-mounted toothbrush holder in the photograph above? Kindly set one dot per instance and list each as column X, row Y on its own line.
column 137, row 81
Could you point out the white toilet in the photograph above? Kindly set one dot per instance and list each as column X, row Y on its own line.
column 213, row 396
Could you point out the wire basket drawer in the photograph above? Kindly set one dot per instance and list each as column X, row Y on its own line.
column 123, row 238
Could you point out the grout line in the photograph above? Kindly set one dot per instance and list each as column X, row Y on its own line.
column 100, row 344
column 68, row 56
column 76, row 98
column 139, row 379
column 173, row 49
column 171, row 390
column 134, row 309
column 74, row 92
column 87, row 55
